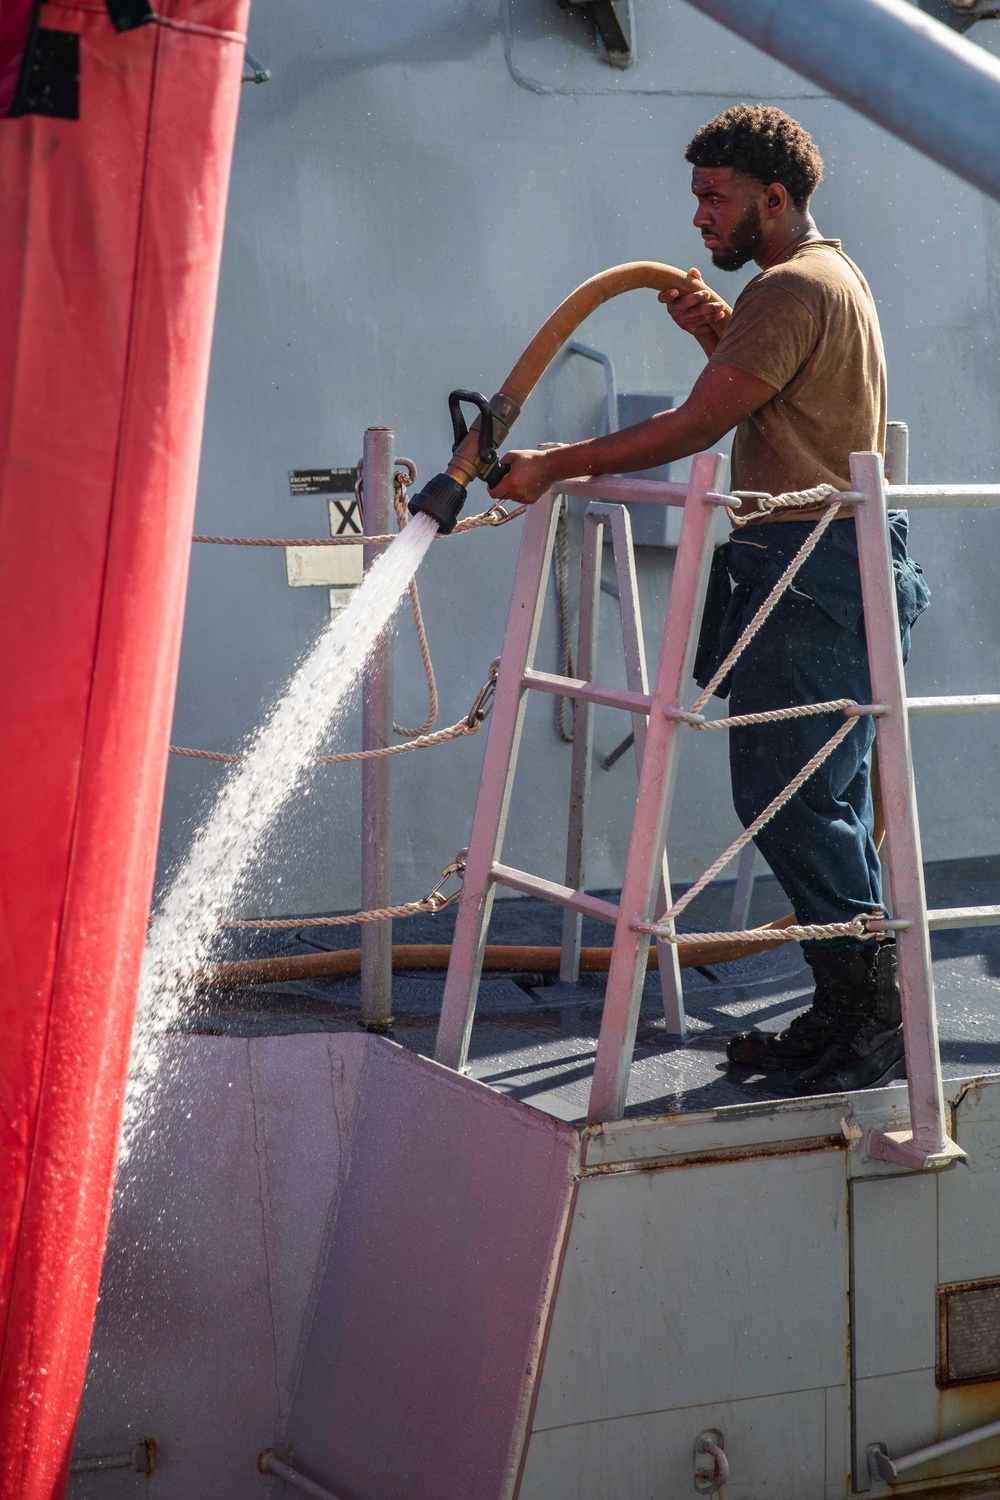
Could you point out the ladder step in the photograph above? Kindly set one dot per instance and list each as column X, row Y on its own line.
column 974, row 703
column 561, row 895
column 632, row 491
column 963, row 916
column 594, row 692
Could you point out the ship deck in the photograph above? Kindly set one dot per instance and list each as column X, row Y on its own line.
column 535, row 1038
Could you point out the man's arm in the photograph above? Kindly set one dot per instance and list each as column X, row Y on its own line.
column 721, row 398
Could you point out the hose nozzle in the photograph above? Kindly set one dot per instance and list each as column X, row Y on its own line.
column 441, row 498
column 475, row 456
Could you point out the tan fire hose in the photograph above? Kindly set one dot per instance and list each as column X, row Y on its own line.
column 466, row 462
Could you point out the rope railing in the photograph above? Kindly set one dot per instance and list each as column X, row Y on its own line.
column 434, row 901
column 478, row 713
column 663, row 927
column 495, row 516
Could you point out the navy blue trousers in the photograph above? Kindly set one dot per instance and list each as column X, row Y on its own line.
column 811, row 649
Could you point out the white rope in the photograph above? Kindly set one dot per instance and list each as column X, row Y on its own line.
column 780, row 588
column 379, row 914
column 775, row 715
column 663, row 927
column 495, row 516
column 857, row 927
column 423, row 742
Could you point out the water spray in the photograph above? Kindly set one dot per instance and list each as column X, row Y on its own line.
column 474, row 453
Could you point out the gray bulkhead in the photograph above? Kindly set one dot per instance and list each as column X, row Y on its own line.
column 413, row 191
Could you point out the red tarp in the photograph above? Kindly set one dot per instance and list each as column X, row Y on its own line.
column 109, row 252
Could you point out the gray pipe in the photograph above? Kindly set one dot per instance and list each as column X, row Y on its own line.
column 892, row 63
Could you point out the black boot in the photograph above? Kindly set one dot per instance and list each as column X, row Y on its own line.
column 808, row 1036
column 869, row 1047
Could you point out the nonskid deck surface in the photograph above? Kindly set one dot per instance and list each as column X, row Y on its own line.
column 535, row 1038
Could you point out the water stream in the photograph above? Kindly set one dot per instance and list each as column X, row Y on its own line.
column 220, row 860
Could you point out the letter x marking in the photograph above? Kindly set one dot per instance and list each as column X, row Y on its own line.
column 350, row 520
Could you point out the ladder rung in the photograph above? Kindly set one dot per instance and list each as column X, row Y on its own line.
column 594, row 692
column 630, row 491
column 963, row 916
column 974, row 703
column 562, row 895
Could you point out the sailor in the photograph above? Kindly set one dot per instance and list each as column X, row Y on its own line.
column 799, row 372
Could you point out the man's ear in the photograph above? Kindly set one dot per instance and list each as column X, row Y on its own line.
column 777, row 200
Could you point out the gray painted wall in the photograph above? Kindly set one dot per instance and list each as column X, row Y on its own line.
column 413, row 191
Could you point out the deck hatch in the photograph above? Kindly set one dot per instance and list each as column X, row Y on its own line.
column 969, row 1332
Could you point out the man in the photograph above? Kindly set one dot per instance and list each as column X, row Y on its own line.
column 799, row 372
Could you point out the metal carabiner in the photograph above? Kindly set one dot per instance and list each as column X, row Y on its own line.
column 483, row 706
column 497, row 515
column 435, row 900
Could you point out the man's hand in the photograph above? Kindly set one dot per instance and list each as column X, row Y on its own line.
column 529, row 477
column 698, row 313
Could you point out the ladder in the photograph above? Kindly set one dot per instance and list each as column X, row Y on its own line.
column 926, row 1144
column 597, row 517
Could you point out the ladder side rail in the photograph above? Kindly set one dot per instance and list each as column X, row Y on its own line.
column 583, row 739
column 645, row 862
column 667, row 957
column 928, row 1137
column 493, row 799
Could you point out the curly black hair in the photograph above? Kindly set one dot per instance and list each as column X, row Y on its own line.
column 762, row 142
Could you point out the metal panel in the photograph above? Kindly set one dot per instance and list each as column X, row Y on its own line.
column 677, row 1289
column 969, row 1199
column 429, row 1316
column 894, row 1274
column 216, row 1234
column 652, row 1454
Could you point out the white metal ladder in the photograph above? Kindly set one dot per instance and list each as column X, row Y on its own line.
column 926, row 1143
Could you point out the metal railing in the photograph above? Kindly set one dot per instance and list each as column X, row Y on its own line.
column 927, row 1143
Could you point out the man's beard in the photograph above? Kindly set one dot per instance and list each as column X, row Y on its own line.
column 744, row 242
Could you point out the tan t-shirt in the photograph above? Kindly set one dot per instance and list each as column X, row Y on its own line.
column 809, row 328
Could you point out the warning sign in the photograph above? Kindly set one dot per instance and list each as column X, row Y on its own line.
column 322, row 481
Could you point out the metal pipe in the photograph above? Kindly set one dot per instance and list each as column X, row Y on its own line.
column 944, row 918
column 890, row 1468
column 270, row 1463
column 928, row 1118
column 893, row 64
column 944, row 496
column 592, row 692
column 610, row 383
column 561, row 895
column 376, row 729
column 897, row 453
column 141, row 1460
column 972, row 703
